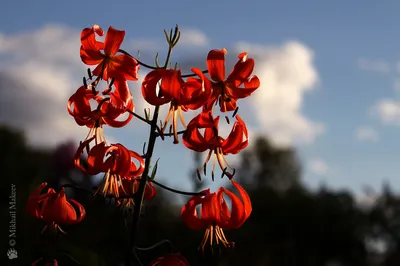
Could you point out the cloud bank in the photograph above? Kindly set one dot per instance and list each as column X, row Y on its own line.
column 287, row 73
column 39, row 70
column 366, row 133
column 378, row 66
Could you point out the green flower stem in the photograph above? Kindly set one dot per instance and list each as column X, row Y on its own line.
column 178, row 191
column 140, row 192
column 139, row 117
column 150, row 149
column 164, row 241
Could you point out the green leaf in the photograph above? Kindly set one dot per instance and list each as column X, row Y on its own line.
column 154, row 171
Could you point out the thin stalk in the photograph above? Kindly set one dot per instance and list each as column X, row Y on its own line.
column 140, row 192
column 150, row 149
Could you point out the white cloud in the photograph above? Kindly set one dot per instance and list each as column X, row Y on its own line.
column 39, row 71
column 286, row 73
column 148, row 46
column 388, row 111
column 318, row 166
column 366, row 133
column 44, row 67
column 373, row 65
column 396, row 85
column 192, row 37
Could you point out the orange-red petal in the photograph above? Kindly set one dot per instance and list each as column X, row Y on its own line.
column 234, row 142
column 59, row 210
column 32, row 206
column 113, row 41
column 149, row 88
column 216, row 64
column 90, row 48
column 122, row 90
column 243, row 68
column 189, row 214
column 124, row 66
column 240, row 211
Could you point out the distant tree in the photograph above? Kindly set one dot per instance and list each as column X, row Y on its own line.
column 385, row 224
column 264, row 165
column 289, row 225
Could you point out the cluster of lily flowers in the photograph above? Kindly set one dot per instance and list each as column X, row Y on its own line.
column 126, row 172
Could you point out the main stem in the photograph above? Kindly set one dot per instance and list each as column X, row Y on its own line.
column 140, row 192
column 149, row 153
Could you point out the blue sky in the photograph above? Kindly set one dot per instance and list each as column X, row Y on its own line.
column 338, row 61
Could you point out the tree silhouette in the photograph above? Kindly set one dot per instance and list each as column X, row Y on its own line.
column 289, row 225
column 267, row 166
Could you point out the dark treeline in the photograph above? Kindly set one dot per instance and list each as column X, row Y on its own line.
column 289, row 224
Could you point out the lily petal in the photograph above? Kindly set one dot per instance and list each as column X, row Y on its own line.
column 113, row 41
column 234, row 142
column 237, row 212
column 122, row 90
column 246, row 199
column 32, row 206
column 189, row 213
column 172, row 84
column 124, row 66
column 210, row 208
column 216, row 64
column 240, row 211
column 242, row 69
column 133, row 170
column 149, row 88
column 90, row 48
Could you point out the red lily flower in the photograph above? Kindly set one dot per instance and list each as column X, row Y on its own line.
column 50, row 263
column 174, row 259
column 228, row 91
column 211, row 140
column 129, row 187
column 108, row 109
column 181, row 95
column 214, row 214
column 118, row 165
column 54, row 208
column 109, row 64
